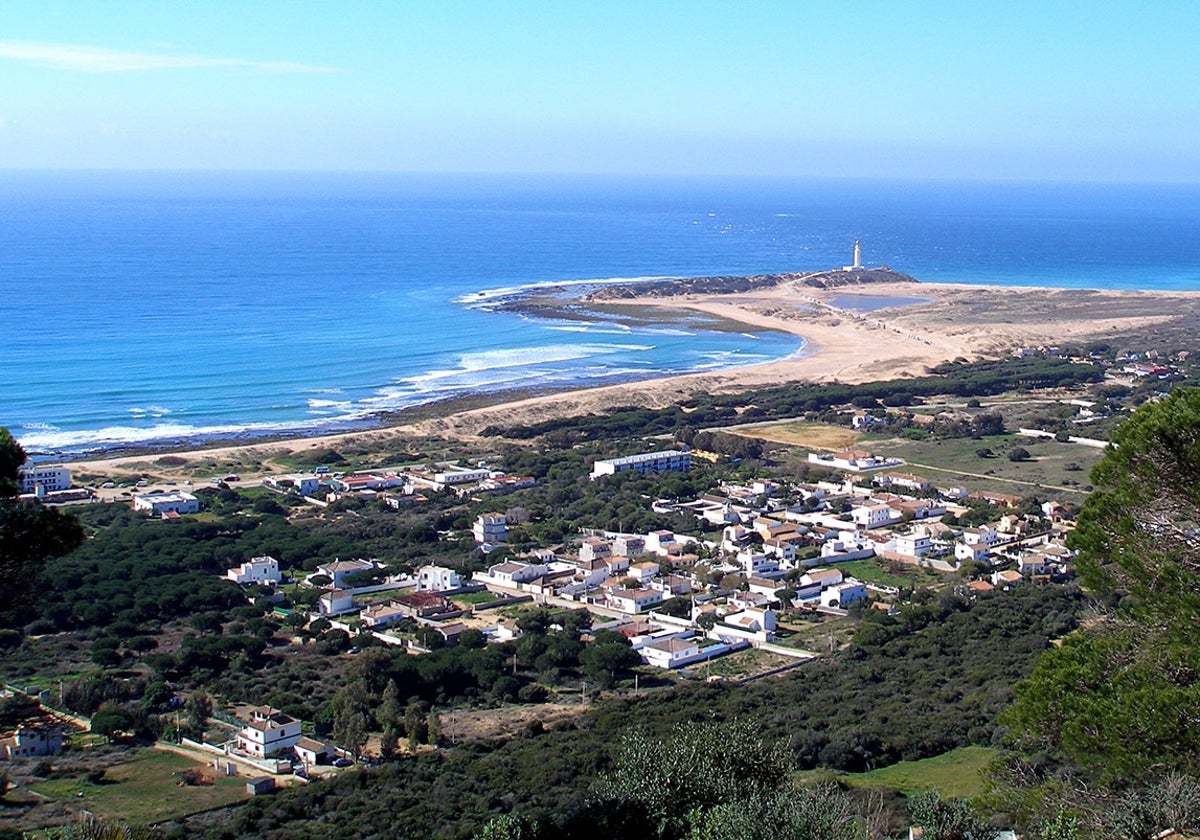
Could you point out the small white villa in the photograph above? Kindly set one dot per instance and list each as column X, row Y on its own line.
column 263, row 570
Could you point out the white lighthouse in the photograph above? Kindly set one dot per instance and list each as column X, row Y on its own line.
column 857, row 258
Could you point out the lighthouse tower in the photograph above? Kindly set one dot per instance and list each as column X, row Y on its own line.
column 857, row 258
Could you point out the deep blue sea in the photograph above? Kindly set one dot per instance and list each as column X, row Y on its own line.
column 172, row 306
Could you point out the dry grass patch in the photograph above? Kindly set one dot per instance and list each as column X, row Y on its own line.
column 801, row 433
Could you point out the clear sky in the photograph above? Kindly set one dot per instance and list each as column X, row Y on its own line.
column 1045, row 89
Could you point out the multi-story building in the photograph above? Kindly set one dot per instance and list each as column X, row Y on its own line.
column 491, row 528
column 51, row 479
column 267, row 733
column 668, row 461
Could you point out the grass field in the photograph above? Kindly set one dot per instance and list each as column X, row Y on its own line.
column 801, row 433
column 878, row 572
column 145, row 789
column 818, row 635
column 474, row 598
column 743, row 663
column 1052, row 465
column 958, row 773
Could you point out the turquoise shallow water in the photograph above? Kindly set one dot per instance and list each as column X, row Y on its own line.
column 146, row 306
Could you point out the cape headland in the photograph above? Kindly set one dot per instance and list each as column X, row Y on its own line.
column 857, row 326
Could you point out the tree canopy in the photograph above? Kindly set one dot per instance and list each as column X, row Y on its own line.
column 29, row 532
column 1118, row 698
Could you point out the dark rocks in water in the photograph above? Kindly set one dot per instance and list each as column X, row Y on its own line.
column 732, row 285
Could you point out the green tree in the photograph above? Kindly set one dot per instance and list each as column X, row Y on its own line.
column 197, row 711
column 818, row 813
column 30, row 533
column 658, row 782
column 433, row 728
column 608, row 655
column 508, row 827
column 110, row 719
column 1113, row 698
column 351, row 709
column 416, row 724
column 946, row 819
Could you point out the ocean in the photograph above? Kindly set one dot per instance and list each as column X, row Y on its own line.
column 161, row 306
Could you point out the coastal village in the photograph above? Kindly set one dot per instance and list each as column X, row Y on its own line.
column 769, row 564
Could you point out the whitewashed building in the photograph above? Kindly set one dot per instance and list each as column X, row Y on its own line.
column 437, row 579
column 50, row 479
column 157, row 504
column 268, row 732
column 668, row 461
column 490, row 529
column 263, row 569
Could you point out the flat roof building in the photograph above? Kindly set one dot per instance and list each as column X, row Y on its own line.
column 668, row 461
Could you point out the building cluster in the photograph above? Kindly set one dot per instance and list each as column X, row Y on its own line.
column 398, row 486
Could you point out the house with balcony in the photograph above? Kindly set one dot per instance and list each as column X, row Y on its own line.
column 268, row 732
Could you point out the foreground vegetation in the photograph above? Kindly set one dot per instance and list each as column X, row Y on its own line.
column 1094, row 740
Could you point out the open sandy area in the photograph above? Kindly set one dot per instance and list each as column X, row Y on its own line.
column 843, row 344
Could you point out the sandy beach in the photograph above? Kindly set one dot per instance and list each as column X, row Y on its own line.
column 845, row 342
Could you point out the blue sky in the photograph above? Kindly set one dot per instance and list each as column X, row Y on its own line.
column 1063, row 90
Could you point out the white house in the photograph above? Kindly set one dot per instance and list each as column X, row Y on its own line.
column 367, row 481
column 437, row 579
column 916, row 543
column 628, row 545
column 971, row 551
column 338, row 570
column 660, row 542
column 1007, row 578
column 263, row 569
column 753, row 620
column 875, row 515
column 335, row 602
column 310, row 752
column 669, row 653
column 854, row 460
column 670, row 460
column 846, row 545
column 824, row 578
column 633, row 601
column 454, row 474
column 490, row 528
column 267, row 733
column 844, row 594
column 160, row 503
column 32, row 739
column 757, row 563
column 381, row 615
column 50, row 479
column 302, row 483
column 902, row 481
column 512, row 573
column 594, row 549
column 985, row 534
column 782, row 550
column 642, row 572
